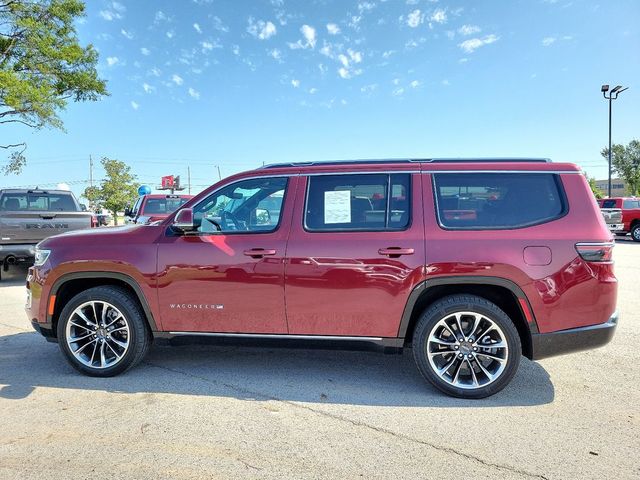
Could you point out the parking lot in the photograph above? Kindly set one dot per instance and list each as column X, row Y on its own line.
column 226, row 411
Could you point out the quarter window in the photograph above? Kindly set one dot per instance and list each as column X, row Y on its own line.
column 370, row 202
column 497, row 200
column 248, row 206
column 629, row 204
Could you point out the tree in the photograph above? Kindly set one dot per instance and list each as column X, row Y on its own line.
column 117, row 190
column 626, row 163
column 594, row 188
column 42, row 67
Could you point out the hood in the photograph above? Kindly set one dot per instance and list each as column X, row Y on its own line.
column 125, row 233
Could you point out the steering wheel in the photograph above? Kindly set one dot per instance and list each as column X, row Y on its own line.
column 231, row 222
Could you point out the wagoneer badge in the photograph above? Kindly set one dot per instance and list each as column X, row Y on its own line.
column 197, row 306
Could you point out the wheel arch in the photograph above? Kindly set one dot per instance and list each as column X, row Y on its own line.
column 503, row 292
column 69, row 285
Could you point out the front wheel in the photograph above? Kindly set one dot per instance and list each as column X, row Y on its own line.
column 466, row 346
column 635, row 232
column 102, row 331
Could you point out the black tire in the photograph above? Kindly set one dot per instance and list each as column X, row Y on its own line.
column 139, row 335
column 446, row 307
column 635, row 232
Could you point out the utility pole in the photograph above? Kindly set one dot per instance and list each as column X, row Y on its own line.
column 219, row 174
column 613, row 94
column 90, row 171
column 189, row 178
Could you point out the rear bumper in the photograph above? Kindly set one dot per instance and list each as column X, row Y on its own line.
column 546, row 345
column 20, row 252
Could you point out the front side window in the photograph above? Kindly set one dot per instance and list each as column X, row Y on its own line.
column 367, row 202
column 252, row 206
column 497, row 200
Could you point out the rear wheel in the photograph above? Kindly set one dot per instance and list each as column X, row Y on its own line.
column 102, row 331
column 635, row 232
column 466, row 346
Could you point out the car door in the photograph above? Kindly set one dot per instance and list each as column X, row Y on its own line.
column 355, row 252
column 228, row 276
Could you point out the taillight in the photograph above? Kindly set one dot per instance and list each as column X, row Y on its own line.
column 596, row 252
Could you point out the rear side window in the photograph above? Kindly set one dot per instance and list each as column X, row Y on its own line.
column 608, row 204
column 497, row 200
column 37, row 202
column 369, row 202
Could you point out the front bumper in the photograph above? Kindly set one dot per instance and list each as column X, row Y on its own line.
column 20, row 252
column 45, row 330
column 546, row 345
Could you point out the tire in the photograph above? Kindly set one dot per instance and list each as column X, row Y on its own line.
column 121, row 322
column 482, row 371
column 635, row 232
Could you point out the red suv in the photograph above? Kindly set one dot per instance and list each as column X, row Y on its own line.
column 472, row 263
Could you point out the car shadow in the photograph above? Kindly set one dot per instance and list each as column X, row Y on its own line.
column 15, row 275
column 27, row 361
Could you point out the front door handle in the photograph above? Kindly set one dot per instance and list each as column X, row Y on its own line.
column 395, row 252
column 259, row 252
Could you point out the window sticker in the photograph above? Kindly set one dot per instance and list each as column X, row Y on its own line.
column 337, row 207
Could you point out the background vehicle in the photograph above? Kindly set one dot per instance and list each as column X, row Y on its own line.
column 29, row 216
column 629, row 208
column 153, row 207
column 471, row 263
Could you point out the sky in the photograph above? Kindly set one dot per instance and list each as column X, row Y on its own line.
column 235, row 84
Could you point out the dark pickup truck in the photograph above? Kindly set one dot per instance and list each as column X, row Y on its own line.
column 29, row 216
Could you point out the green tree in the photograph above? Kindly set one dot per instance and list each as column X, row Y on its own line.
column 594, row 188
column 42, row 67
column 117, row 190
column 626, row 163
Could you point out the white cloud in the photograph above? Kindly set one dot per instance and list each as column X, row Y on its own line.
column 463, row 60
column 356, row 57
column 194, row 93
column 145, row 51
column 170, row 34
column 177, row 79
column 261, row 29
column 548, row 41
column 126, row 34
column 295, row 83
column 235, row 49
column 366, row 6
column 197, row 28
column 415, row 84
column 155, row 71
column 160, row 16
column 369, row 88
column 111, row 61
column 134, row 105
column 219, row 25
column 114, row 11
column 344, row 73
column 276, row 54
column 147, row 88
column 313, row 90
column 415, row 18
column 333, row 29
column 474, row 43
column 388, row 53
column 398, row 92
column 445, row 82
column 439, row 16
column 206, row 46
column 396, row 81
column 468, row 29
column 309, row 34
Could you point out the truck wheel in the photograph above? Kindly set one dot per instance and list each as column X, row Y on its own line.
column 635, row 232
column 103, row 332
column 466, row 346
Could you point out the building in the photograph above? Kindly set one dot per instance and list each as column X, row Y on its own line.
column 618, row 187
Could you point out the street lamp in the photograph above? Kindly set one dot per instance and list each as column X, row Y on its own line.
column 613, row 94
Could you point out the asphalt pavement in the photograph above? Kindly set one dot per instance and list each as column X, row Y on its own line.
column 247, row 412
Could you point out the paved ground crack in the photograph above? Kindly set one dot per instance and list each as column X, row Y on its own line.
column 358, row 423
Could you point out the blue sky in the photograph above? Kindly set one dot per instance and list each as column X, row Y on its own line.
column 207, row 83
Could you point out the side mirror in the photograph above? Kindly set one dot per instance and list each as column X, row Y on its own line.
column 83, row 207
column 183, row 221
column 127, row 211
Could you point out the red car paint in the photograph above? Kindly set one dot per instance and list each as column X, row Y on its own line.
column 343, row 284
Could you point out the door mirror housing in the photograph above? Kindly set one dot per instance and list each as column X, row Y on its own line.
column 183, row 221
column 127, row 211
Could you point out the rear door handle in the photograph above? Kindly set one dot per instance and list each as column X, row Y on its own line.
column 395, row 252
column 259, row 252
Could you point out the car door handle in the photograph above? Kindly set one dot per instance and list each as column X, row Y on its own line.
column 259, row 252
column 395, row 252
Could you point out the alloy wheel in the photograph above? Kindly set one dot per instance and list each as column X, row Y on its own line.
column 467, row 350
column 97, row 334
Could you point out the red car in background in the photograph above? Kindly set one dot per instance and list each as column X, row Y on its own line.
column 630, row 207
column 153, row 207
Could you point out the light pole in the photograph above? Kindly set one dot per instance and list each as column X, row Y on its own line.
column 613, row 94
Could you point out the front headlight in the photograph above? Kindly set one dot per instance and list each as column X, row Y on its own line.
column 41, row 256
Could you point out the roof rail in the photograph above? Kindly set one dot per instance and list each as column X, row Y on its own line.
column 406, row 160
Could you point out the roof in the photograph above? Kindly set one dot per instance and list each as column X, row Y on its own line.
column 408, row 161
column 35, row 190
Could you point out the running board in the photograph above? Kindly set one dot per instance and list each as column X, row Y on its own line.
column 382, row 341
